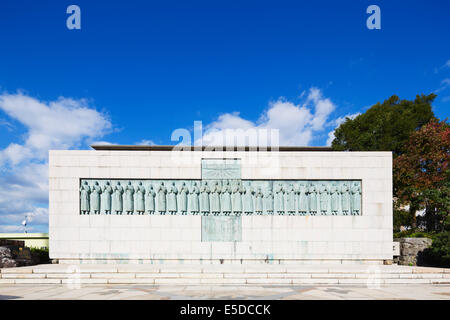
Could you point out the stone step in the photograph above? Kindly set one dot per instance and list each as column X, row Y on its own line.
column 153, row 268
column 193, row 281
column 223, row 274
column 129, row 275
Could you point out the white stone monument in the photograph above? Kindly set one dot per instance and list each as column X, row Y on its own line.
column 158, row 204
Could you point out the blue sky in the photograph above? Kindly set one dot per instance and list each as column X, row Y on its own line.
column 137, row 70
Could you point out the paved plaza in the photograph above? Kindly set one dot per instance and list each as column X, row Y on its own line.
column 152, row 292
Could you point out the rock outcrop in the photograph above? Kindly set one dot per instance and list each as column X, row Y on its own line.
column 6, row 258
column 410, row 249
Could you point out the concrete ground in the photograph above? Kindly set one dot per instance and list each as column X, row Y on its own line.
column 192, row 292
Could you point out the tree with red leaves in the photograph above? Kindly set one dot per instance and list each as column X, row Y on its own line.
column 422, row 175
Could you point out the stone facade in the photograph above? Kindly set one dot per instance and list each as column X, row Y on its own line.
column 146, row 238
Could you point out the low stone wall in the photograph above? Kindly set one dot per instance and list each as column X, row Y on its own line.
column 410, row 248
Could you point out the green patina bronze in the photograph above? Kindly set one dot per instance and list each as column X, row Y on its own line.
column 220, row 197
column 221, row 228
column 220, row 192
column 221, row 169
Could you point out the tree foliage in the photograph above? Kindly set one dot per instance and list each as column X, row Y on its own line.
column 438, row 255
column 419, row 143
column 422, row 174
column 385, row 126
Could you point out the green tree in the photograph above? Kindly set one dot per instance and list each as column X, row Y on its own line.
column 384, row 126
column 438, row 255
column 422, row 175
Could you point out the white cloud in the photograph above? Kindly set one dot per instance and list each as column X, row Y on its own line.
column 37, row 217
column 145, row 142
column 62, row 124
column 24, row 193
column 231, row 121
column 11, row 228
column 444, row 85
column 340, row 120
column 14, row 154
column 331, row 137
column 296, row 123
column 337, row 122
column 444, row 66
column 101, row 143
column 323, row 108
column 6, row 124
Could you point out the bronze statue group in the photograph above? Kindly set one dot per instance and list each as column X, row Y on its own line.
column 221, row 197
